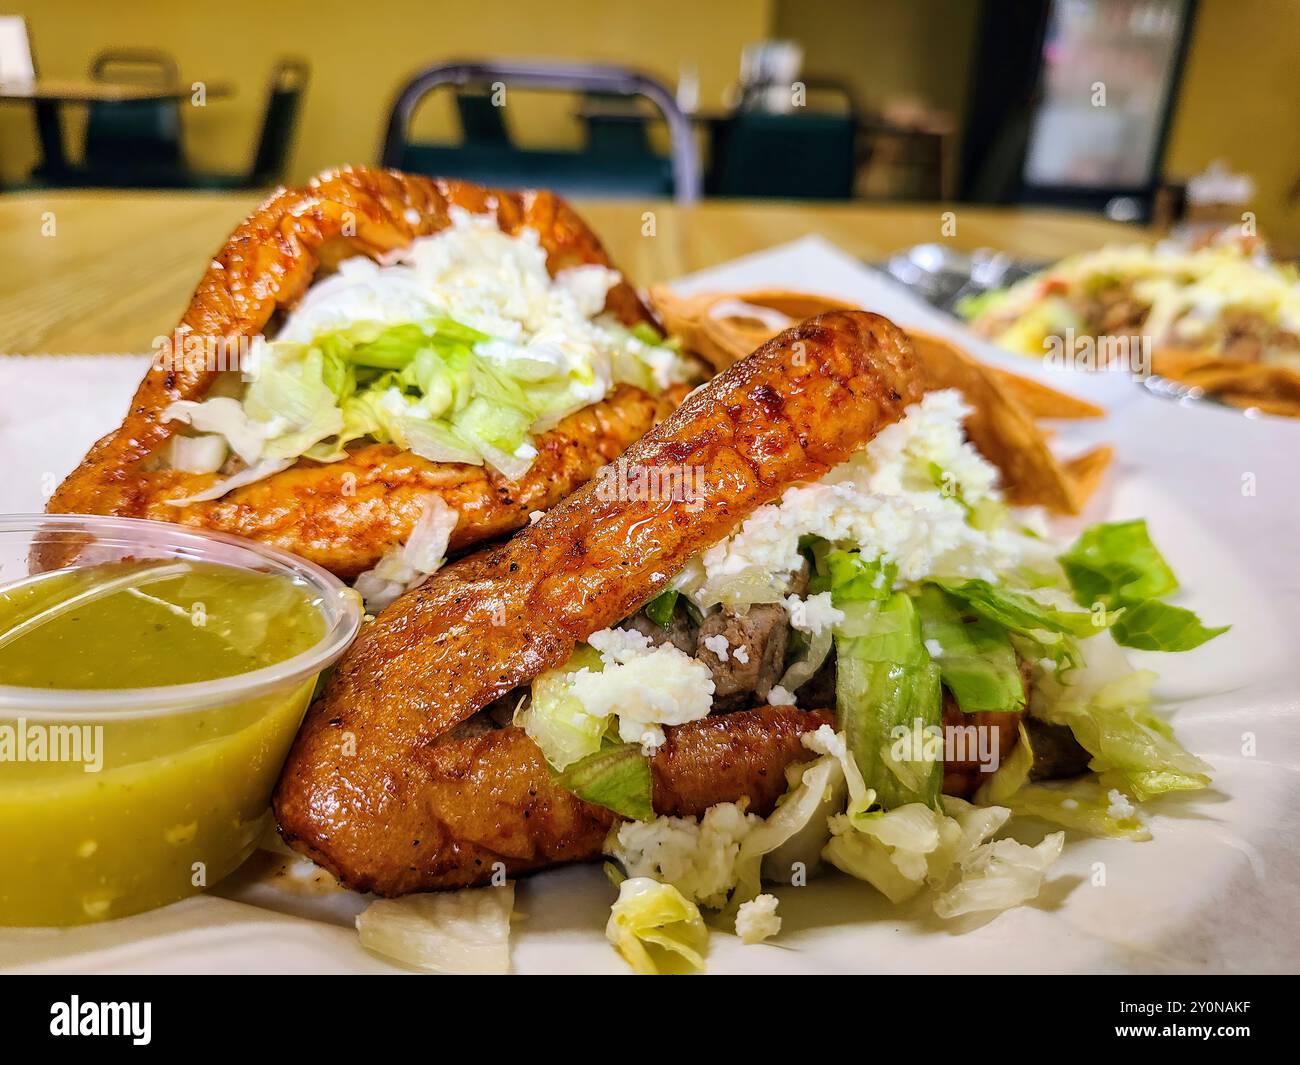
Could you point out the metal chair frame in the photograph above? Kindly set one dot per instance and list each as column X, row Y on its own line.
column 560, row 77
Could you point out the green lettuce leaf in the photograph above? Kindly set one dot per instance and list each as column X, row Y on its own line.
column 886, row 687
column 660, row 608
column 616, row 777
column 849, row 577
column 1082, row 804
column 556, row 720
column 976, row 660
column 1133, row 749
column 1157, row 626
column 1050, row 631
column 1022, row 613
column 1116, row 565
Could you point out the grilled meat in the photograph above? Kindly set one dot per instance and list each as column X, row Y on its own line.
column 755, row 652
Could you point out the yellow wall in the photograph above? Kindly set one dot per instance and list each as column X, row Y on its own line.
column 887, row 50
column 361, row 52
column 1240, row 102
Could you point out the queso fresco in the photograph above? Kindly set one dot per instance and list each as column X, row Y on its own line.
column 105, row 813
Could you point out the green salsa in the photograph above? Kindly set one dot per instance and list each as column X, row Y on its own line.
column 108, row 814
column 147, row 624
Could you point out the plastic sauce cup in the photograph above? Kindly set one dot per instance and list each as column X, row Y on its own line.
column 116, row 801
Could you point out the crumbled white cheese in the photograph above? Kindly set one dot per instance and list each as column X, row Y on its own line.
column 813, row 614
column 646, row 687
column 756, row 920
column 494, row 282
column 698, row 858
column 884, row 500
column 778, row 696
column 719, row 646
column 1121, row 807
column 741, row 655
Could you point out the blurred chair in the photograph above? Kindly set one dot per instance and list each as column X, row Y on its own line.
column 582, row 172
column 16, row 63
column 612, row 129
column 800, row 154
column 289, row 78
column 482, row 124
column 133, row 142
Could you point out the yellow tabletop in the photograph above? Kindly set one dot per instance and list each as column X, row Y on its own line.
column 106, row 272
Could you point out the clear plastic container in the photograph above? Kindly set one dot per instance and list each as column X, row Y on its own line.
column 179, row 796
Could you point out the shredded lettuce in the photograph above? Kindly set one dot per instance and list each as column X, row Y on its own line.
column 654, row 926
column 885, row 682
column 912, row 847
column 999, row 875
column 455, row 932
column 205, row 453
column 556, row 720
column 1116, row 565
column 1133, row 749
column 848, row 576
column 1082, row 804
column 976, row 660
column 795, row 833
column 616, row 777
column 258, row 471
column 1051, row 631
column 402, row 568
column 436, row 387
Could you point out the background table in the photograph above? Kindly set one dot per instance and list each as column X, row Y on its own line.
column 48, row 95
column 119, row 267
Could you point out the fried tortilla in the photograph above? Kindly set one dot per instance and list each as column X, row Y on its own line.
column 346, row 514
column 724, row 327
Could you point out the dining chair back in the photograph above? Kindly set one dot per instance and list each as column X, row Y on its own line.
column 482, row 123
column 614, row 133
column 283, row 104
column 796, row 154
column 576, row 172
column 131, row 142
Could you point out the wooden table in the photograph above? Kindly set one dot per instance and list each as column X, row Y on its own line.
column 117, row 268
column 48, row 95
